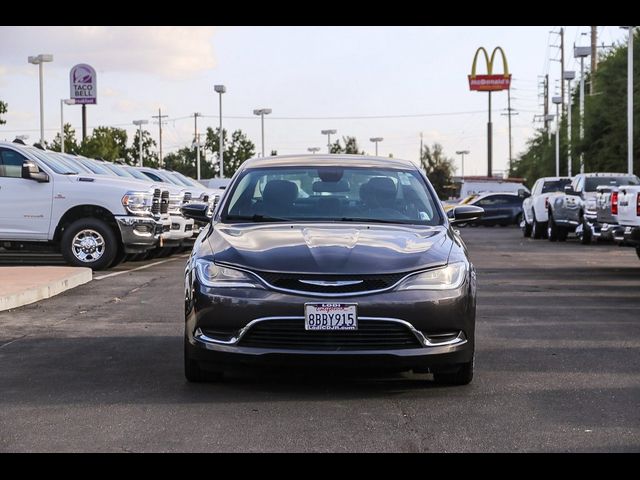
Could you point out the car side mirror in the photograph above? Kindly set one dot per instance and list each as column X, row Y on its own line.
column 30, row 171
column 522, row 193
column 465, row 213
column 568, row 189
column 200, row 212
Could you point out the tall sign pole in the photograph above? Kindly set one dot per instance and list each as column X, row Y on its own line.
column 84, row 90
column 489, row 83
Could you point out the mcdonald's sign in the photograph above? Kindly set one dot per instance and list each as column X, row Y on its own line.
column 490, row 82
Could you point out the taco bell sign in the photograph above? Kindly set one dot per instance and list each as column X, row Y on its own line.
column 83, row 81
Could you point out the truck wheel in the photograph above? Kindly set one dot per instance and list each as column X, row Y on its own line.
column 89, row 242
column 526, row 228
column 552, row 229
column 119, row 258
column 585, row 238
column 638, row 251
column 537, row 229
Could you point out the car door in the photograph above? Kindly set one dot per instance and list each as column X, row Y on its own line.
column 491, row 206
column 25, row 205
column 573, row 202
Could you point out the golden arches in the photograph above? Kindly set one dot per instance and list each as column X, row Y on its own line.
column 489, row 61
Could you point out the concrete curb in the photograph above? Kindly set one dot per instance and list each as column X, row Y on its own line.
column 38, row 283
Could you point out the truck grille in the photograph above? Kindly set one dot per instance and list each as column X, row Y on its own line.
column 290, row 334
column 155, row 205
column 164, row 201
column 187, row 197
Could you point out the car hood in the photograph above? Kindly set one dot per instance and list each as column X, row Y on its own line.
column 330, row 248
column 116, row 182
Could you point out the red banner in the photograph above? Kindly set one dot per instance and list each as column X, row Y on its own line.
column 486, row 83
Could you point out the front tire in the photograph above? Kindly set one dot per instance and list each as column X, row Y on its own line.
column 463, row 376
column 192, row 371
column 526, row 228
column 638, row 251
column 89, row 242
column 585, row 238
column 552, row 229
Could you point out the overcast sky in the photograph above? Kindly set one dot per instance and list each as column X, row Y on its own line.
column 413, row 78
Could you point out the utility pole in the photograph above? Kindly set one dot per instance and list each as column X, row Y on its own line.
column 561, row 47
column 594, row 58
column 160, row 117
column 568, row 76
column 509, row 114
column 546, row 102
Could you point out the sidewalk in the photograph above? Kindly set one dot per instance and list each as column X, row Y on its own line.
column 23, row 285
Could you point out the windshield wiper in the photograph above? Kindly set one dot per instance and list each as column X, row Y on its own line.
column 257, row 218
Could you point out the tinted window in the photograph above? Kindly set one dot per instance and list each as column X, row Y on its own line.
column 494, row 200
column 593, row 182
column 53, row 163
column 555, row 185
column 331, row 194
column 154, row 177
column 137, row 174
column 11, row 163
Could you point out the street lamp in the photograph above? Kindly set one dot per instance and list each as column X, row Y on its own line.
column 262, row 112
column 221, row 89
column 558, row 102
column 581, row 53
column 139, row 123
column 313, row 149
column 197, row 144
column 328, row 133
column 463, row 153
column 63, row 102
column 376, row 140
column 39, row 60
column 630, row 100
column 568, row 76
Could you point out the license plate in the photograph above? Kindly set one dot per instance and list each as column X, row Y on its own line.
column 330, row 316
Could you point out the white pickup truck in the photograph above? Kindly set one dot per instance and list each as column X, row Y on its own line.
column 536, row 207
column 92, row 220
column 629, row 214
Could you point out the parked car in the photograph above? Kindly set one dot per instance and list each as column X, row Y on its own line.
column 575, row 211
column 535, row 208
column 499, row 209
column 364, row 269
column 472, row 186
column 93, row 221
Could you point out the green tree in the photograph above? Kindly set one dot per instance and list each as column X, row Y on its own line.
column 236, row 150
column 106, row 142
column 70, row 141
column 604, row 144
column 149, row 155
column 438, row 167
column 350, row 146
column 3, row 110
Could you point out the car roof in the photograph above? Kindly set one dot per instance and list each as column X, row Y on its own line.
column 552, row 179
column 608, row 174
column 332, row 160
column 488, row 194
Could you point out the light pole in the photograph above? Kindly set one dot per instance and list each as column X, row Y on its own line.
column 558, row 102
column 630, row 100
column 221, row 89
column 63, row 102
column 376, row 140
column 548, row 118
column 139, row 123
column 463, row 153
column 581, row 53
column 313, row 149
column 328, row 133
column 568, row 76
column 262, row 112
column 197, row 144
column 39, row 60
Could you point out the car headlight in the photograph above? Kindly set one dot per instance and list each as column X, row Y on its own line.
column 213, row 275
column 137, row 203
column 444, row 278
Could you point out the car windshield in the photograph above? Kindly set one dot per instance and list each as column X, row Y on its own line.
column 179, row 179
column 592, row 183
column 337, row 194
column 137, row 174
column 555, row 185
column 121, row 172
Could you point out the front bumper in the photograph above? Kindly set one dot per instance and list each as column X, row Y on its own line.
column 425, row 314
column 180, row 229
column 138, row 234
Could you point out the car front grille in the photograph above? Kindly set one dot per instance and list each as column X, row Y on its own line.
column 291, row 335
column 366, row 283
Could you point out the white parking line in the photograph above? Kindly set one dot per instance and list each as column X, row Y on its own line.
column 102, row 277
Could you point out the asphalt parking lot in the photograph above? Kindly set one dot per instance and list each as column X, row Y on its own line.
column 99, row 368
